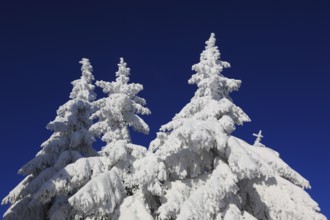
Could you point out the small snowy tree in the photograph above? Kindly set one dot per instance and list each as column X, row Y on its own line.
column 257, row 142
column 98, row 185
column 195, row 168
column 70, row 141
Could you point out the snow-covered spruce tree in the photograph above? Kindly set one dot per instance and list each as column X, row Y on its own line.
column 195, row 168
column 70, row 141
column 96, row 186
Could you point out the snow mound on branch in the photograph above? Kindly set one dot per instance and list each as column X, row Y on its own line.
column 72, row 176
column 278, row 198
column 133, row 208
column 209, row 199
column 272, row 158
column 101, row 195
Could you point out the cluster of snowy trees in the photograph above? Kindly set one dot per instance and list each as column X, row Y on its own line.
column 194, row 169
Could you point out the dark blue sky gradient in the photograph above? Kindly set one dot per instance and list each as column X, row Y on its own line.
column 279, row 49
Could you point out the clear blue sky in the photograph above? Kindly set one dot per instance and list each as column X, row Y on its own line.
column 279, row 49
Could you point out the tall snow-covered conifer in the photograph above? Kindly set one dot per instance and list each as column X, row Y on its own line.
column 98, row 185
column 119, row 110
column 195, row 168
column 70, row 141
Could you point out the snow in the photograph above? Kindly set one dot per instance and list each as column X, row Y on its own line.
column 177, row 192
column 69, row 142
column 16, row 192
column 278, row 199
column 119, row 110
column 83, row 88
column 271, row 157
column 194, row 169
column 99, row 196
column 258, row 136
column 133, row 209
column 147, row 173
column 209, row 199
column 96, row 185
column 25, row 208
column 244, row 163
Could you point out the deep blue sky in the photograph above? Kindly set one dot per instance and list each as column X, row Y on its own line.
column 279, row 49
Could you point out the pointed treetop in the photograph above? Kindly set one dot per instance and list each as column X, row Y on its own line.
column 208, row 77
column 123, row 70
column 211, row 50
column 85, row 63
column 86, row 69
column 121, row 85
column 83, row 87
column 211, row 41
column 258, row 136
